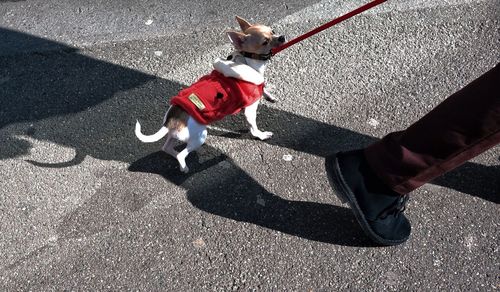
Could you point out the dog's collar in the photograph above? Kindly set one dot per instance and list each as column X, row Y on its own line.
column 261, row 57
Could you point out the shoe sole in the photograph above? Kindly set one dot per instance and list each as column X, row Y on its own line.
column 345, row 195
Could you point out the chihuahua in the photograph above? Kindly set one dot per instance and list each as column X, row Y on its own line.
column 235, row 84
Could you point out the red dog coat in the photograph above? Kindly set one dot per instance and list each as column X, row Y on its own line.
column 215, row 96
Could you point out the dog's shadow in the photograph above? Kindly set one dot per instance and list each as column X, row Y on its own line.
column 235, row 195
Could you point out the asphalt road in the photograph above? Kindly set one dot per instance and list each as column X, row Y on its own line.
column 85, row 206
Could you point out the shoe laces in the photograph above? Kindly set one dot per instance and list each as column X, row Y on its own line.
column 396, row 208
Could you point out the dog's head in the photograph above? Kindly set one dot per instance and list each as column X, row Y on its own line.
column 256, row 39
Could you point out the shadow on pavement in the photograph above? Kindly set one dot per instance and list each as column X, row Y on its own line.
column 474, row 179
column 234, row 194
column 88, row 105
column 310, row 136
column 73, row 100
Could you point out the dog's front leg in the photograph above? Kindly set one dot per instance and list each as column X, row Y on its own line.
column 251, row 117
column 268, row 96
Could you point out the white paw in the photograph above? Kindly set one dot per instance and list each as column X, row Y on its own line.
column 185, row 169
column 264, row 135
column 269, row 97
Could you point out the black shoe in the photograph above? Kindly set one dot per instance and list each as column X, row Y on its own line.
column 378, row 209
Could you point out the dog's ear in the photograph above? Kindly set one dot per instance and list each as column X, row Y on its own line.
column 243, row 23
column 237, row 39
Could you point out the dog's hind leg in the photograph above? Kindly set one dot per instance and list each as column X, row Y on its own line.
column 197, row 136
column 168, row 147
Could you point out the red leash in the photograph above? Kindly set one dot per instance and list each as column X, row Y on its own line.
column 327, row 25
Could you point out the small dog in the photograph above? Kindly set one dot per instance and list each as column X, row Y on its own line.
column 233, row 85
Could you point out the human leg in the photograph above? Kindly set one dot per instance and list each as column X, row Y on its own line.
column 375, row 181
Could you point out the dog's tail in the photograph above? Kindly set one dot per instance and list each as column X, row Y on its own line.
column 151, row 138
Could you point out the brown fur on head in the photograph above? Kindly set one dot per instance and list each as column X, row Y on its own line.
column 257, row 38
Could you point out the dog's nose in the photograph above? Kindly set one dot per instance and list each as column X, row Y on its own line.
column 281, row 39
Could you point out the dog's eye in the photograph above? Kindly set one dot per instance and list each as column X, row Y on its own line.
column 272, row 31
column 265, row 43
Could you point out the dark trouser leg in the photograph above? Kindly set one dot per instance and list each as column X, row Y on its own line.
column 463, row 126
